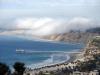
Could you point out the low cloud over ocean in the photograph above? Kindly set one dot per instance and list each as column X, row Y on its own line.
column 47, row 26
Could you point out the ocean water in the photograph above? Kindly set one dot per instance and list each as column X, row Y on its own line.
column 9, row 44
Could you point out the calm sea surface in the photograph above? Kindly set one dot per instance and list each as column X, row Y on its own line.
column 9, row 44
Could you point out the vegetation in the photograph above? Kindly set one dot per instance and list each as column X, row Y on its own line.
column 19, row 68
column 96, row 41
column 87, row 66
column 4, row 69
column 92, row 51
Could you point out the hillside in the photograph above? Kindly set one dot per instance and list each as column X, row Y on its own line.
column 91, row 56
column 71, row 36
column 93, row 48
column 74, row 36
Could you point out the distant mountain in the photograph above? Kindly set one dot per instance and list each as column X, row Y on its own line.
column 74, row 36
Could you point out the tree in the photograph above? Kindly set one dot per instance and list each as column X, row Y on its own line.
column 87, row 66
column 41, row 73
column 4, row 69
column 19, row 68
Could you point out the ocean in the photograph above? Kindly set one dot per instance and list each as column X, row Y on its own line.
column 49, row 52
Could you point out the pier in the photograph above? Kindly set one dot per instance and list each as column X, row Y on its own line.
column 30, row 51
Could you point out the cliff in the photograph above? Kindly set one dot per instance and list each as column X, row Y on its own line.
column 71, row 36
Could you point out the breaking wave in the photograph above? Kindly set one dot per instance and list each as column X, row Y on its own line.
column 53, row 59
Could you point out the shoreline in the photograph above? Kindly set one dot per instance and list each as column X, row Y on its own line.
column 46, row 63
column 41, row 39
column 56, row 66
column 71, row 56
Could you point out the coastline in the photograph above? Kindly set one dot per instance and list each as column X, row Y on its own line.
column 80, row 63
column 70, row 56
column 55, row 66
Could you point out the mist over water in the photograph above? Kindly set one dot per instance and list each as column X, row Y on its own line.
column 47, row 26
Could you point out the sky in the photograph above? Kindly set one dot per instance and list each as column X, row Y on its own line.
column 50, row 8
column 49, row 14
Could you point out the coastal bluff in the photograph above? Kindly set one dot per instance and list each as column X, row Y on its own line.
column 92, row 49
column 71, row 37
